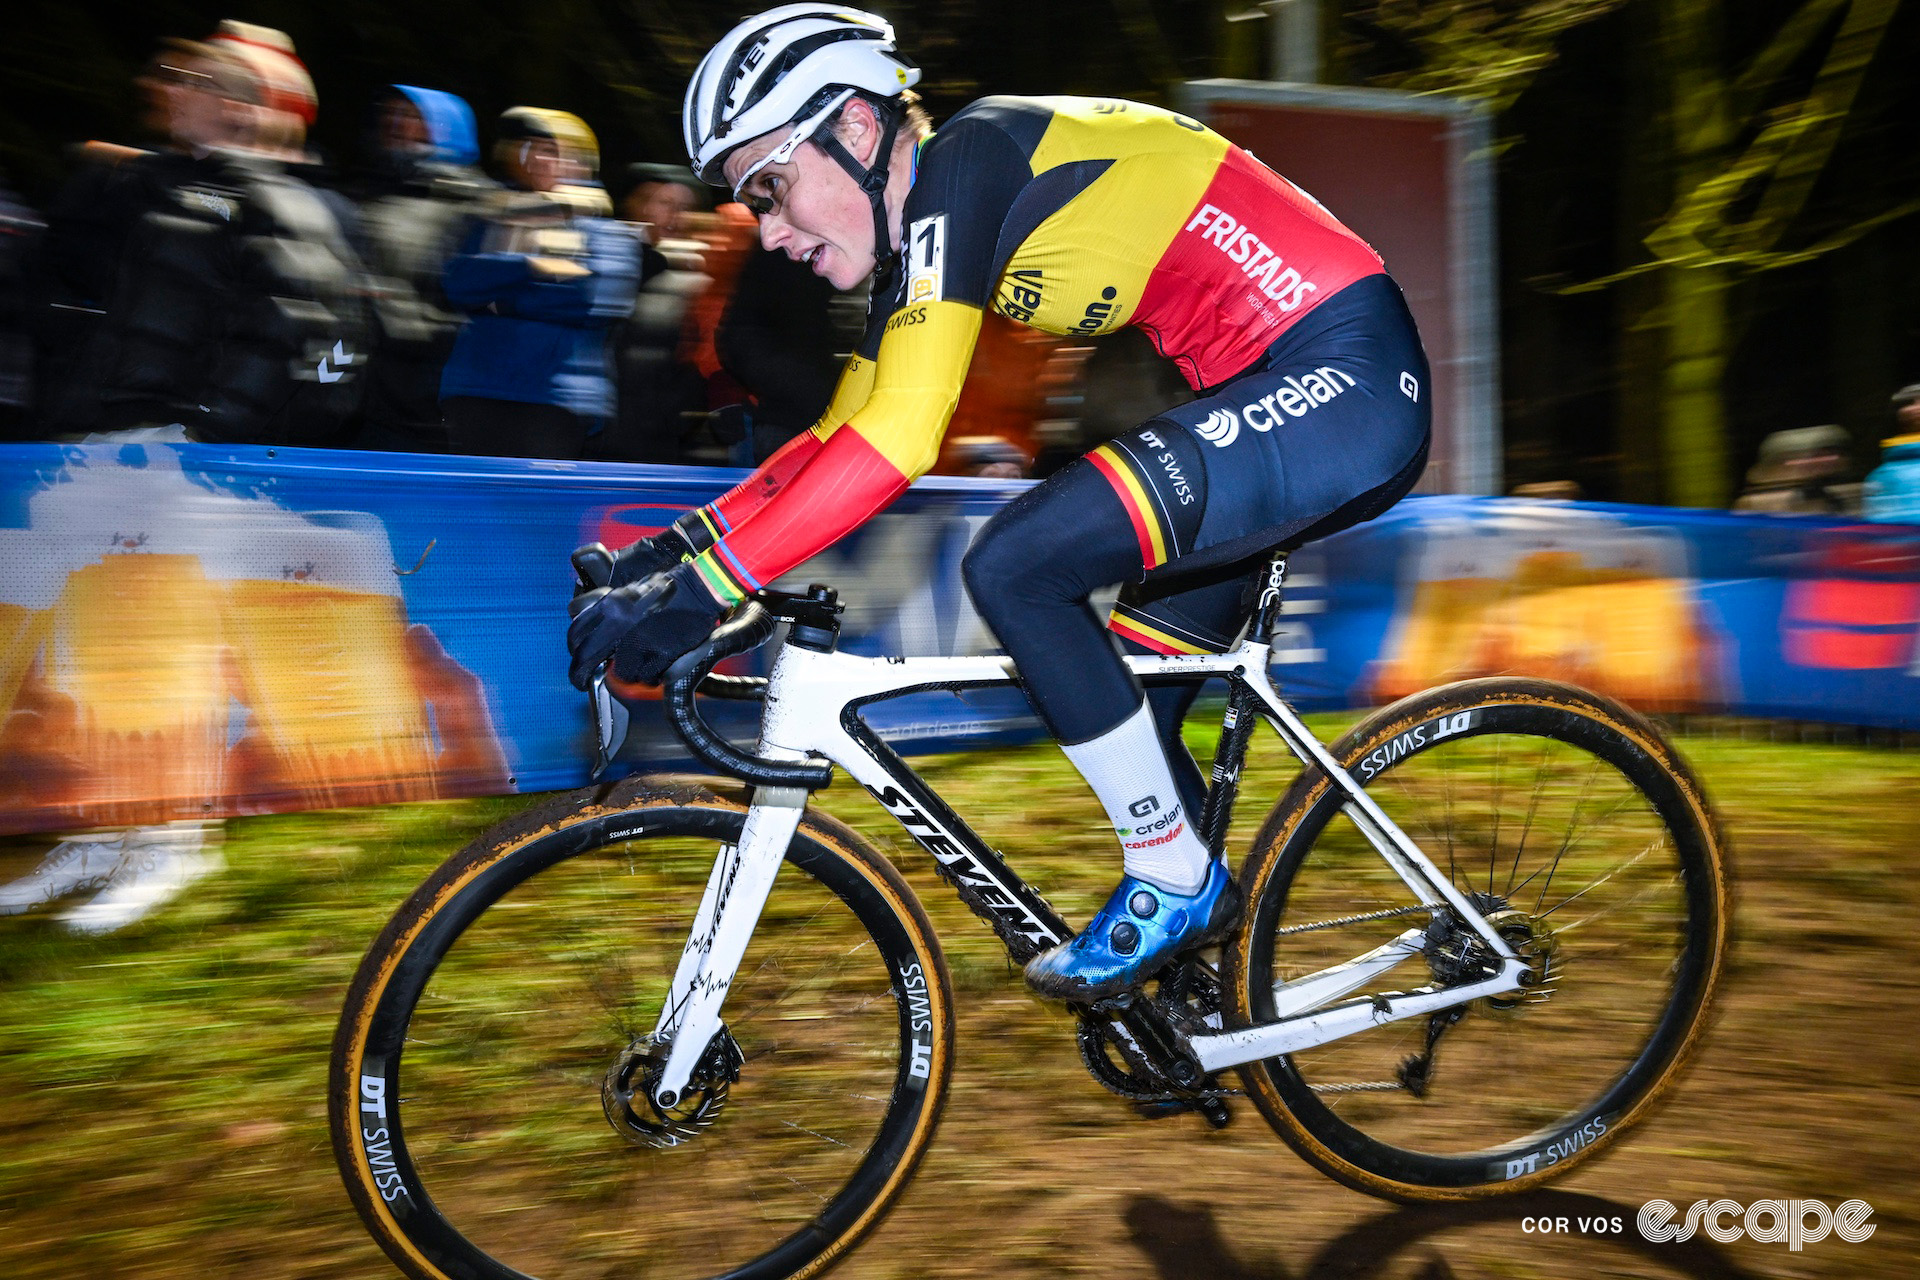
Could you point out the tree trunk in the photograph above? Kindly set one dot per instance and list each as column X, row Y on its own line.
column 1693, row 411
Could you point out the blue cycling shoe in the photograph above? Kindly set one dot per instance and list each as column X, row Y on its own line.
column 1134, row 936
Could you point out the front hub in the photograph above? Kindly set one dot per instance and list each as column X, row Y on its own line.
column 627, row 1091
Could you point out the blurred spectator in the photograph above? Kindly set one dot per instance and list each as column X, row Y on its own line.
column 422, row 188
column 20, row 231
column 1548, row 490
column 288, row 102
column 1798, row 474
column 987, row 457
column 289, row 106
column 1893, row 488
column 544, row 278
column 238, row 313
column 659, row 200
column 1906, row 410
column 235, row 315
column 660, row 396
column 729, row 238
column 776, row 338
column 91, row 219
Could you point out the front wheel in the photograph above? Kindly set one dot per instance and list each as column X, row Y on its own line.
column 1575, row 828
column 488, row 1095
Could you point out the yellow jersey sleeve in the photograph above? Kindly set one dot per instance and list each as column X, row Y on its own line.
column 915, row 383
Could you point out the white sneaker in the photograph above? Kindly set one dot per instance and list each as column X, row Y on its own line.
column 158, row 863
column 83, row 862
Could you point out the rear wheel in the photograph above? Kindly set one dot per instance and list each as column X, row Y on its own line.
column 489, row 1103
column 1575, row 828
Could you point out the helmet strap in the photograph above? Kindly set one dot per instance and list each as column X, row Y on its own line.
column 872, row 179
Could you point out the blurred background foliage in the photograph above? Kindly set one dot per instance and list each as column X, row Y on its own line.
column 1706, row 206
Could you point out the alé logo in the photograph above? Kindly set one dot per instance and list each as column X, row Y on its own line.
column 1145, row 822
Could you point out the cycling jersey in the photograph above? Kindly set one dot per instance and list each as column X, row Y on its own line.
column 1074, row 216
column 1328, row 429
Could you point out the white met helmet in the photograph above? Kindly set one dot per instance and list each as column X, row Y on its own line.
column 795, row 65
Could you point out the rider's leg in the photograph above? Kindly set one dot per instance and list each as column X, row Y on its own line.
column 1030, row 573
column 1329, row 429
column 1194, row 613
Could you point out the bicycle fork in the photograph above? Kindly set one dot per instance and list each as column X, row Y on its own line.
column 736, row 893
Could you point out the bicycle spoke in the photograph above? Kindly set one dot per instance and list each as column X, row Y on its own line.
column 1583, row 879
column 1585, row 787
column 536, row 1005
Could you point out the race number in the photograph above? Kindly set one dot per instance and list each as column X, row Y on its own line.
column 927, row 259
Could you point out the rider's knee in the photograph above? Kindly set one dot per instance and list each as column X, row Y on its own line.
column 992, row 567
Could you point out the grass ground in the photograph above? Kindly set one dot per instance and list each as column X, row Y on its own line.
column 162, row 1092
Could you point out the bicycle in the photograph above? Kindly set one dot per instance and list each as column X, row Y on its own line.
column 542, row 1070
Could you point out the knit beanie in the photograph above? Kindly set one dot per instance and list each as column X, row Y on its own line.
column 285, row 84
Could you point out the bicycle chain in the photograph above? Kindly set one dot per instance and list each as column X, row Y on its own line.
column 1420, row 908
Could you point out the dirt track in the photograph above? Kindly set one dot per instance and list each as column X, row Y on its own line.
column 1806, row 1087
column 164, row 1113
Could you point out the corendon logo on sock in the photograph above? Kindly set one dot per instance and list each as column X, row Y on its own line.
column 1168, row 822
column 1255, row 258
column 1156, row 840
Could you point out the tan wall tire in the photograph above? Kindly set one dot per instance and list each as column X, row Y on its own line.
column 877, row 1004
column 1340, row 1133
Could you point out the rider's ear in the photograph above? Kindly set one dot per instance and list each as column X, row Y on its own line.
column 859, row 129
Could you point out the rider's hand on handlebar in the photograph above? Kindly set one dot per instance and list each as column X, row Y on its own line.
column 642, row 626
column 595, row 566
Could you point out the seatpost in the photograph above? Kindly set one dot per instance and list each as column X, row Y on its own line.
column 1266, row 615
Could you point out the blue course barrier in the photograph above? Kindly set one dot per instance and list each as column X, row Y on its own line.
column 189, row 630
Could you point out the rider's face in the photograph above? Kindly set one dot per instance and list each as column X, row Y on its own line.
column 818, row 214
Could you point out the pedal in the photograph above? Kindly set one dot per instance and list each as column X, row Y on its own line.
column 1213, row 1110
column 1150, row 1030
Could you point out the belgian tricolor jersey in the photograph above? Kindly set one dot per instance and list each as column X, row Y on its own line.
column 1074, row 216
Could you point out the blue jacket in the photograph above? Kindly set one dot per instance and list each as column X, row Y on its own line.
column 534, row 339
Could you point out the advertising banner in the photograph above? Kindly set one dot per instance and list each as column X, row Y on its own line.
column 192, row 630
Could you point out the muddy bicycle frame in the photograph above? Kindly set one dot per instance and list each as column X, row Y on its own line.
column 813, row 699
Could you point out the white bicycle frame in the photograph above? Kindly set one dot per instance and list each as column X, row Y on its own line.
column 808, row 698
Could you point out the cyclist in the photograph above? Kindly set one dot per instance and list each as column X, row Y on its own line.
column 1075, row 216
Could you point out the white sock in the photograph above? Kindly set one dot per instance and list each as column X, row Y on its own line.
column 1127, row 769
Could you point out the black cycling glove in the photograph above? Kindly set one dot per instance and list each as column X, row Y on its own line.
column 599, row 567
column 643, row 626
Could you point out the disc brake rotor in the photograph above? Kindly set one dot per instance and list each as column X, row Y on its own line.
column 628, row 1091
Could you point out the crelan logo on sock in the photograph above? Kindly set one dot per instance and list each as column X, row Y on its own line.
column 1168, row 819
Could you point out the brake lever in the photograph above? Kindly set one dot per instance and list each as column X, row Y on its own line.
column 610, row 721
column 593, row 568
